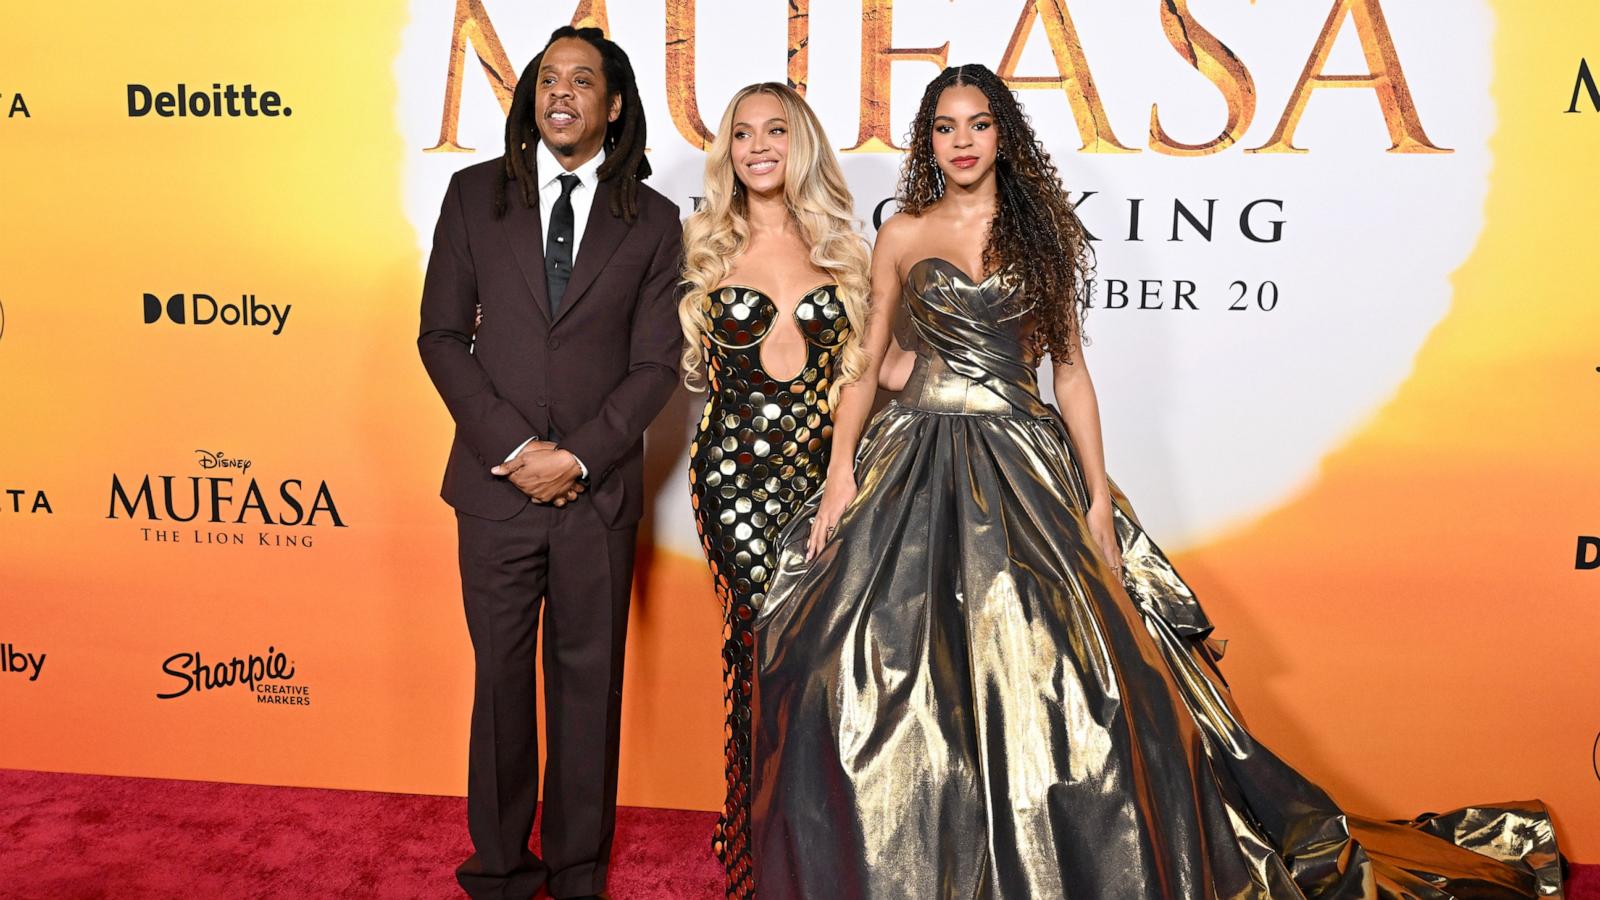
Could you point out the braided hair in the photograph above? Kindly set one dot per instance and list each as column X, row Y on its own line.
column 1035, row 237
column 624, row 141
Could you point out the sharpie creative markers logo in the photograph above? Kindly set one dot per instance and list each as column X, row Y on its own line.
column 222, row 101
column 20, row 662
column 204, row 309
column 268, row 676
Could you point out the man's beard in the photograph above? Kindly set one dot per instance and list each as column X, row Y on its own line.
column 569, row 146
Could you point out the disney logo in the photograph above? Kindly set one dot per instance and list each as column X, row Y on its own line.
column 219, row 460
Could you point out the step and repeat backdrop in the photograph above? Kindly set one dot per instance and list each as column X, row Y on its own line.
column 1343, row 328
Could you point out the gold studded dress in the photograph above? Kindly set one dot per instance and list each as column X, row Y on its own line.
column 761, row 449
column 958, row 698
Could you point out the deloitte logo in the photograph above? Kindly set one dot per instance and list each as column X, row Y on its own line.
column 203, row 309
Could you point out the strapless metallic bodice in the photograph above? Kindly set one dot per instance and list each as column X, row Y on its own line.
column 972, row 344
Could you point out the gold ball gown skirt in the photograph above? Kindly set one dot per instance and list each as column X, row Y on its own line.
column 959, row 699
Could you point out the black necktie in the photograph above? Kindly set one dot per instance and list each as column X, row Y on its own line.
column 558, row 248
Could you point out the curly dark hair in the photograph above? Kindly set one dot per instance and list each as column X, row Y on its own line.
column 1035, row 236
column 624, row 141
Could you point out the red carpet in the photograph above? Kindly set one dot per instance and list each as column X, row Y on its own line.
column 77, row 837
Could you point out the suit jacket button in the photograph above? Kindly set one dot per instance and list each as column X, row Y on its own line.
column 554, row 344
column 543, row 402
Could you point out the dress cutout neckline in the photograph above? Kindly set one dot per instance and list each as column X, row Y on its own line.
column 802, row 299
column 794, row 314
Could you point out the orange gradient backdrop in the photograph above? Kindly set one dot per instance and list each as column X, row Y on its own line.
column 1408, row 628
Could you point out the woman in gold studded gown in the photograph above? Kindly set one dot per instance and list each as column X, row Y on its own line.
column 988, row 681
column 770, row 343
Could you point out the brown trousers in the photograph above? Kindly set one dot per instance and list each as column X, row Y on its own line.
column 568, row 565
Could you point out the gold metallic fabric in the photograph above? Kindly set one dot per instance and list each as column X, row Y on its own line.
column 761, row 448
column 958, row 698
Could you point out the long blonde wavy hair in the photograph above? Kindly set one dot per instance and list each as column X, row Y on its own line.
column 819, row 201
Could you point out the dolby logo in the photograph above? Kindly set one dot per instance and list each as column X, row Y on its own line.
column 204, row 309
column 20, row 662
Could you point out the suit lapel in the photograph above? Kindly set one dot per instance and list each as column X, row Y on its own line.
column 525, row 232
column 602, row 234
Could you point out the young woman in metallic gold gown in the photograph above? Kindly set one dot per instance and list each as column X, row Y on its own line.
column 776, row 301
column 978, row 677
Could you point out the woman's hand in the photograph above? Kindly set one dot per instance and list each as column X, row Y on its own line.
column 1103, row 529
column 837, row 492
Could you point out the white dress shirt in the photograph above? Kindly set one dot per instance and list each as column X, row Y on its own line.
column 550, row 171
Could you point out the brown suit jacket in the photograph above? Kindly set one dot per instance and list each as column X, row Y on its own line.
column 596, row 373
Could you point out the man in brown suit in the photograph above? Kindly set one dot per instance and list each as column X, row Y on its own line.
column 574, row 266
